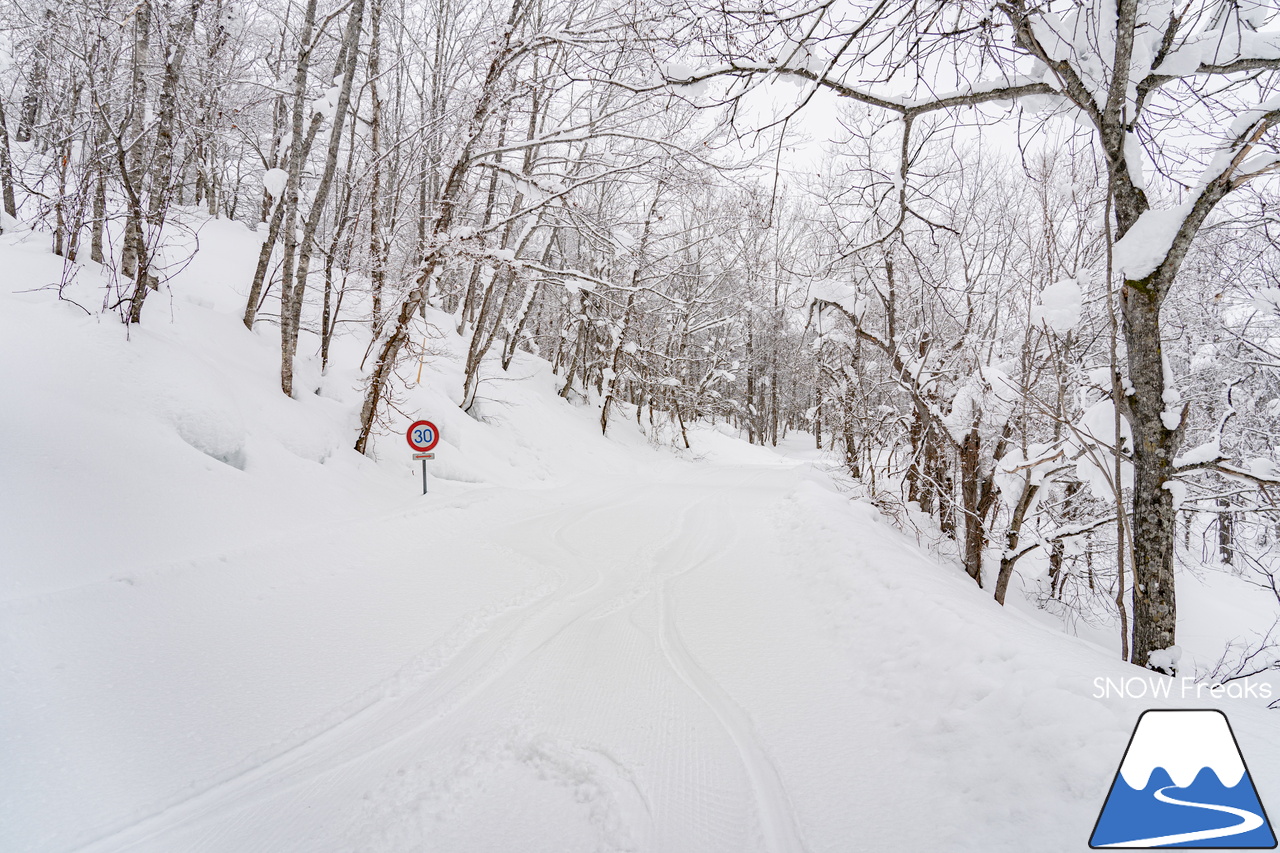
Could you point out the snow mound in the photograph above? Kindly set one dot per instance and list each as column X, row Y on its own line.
column 1145, row 246
column 274, row 180
column 1061, row 305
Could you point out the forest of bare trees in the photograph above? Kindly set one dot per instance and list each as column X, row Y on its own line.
column 1026, row 293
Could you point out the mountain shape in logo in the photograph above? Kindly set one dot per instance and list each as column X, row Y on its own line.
column 1183, row 783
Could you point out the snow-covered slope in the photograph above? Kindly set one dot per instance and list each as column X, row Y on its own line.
column 223, row 630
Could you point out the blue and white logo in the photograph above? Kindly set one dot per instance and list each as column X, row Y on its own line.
column 1183, row 783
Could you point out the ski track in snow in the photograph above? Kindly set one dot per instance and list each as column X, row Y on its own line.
column 577, row 547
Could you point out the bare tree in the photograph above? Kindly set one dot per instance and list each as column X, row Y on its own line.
column 1115, row 67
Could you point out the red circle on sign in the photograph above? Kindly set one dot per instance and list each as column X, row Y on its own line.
column 422, row 436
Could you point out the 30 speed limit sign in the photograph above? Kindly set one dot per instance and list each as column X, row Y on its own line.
column 423, row 436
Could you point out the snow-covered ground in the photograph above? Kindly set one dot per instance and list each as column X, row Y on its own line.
column 223, row 630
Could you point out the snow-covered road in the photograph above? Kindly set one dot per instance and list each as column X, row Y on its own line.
column 577, row 717
column 699, row 657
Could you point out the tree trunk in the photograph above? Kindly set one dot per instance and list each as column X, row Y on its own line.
column 162, row 179
column 377, row 255
column 488, row 318
column 473, row 303
column 1010, row 556
column 6, row 167
column 259, row 287
column 616, row 361
column 1226, row 532
column 773, row 396
column 1154, row 606
column 98, row 225
column 526, row 308
column 264, row 263
column 975, row 536
column 293, row 191
column 751, row 384
column 291, row 321
column 35, row 82
column 132, row 175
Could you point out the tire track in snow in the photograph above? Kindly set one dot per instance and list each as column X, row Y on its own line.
column 773, row 805
column 629, row 576
column 398, row 715
column 777, row 818
column 597, row 567
column 610, row 594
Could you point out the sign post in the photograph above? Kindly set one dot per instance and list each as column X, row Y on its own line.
column 423, row 437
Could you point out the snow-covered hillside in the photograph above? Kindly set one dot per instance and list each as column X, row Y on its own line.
column 221, row 629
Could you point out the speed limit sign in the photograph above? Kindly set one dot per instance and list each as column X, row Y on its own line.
column 423, row 436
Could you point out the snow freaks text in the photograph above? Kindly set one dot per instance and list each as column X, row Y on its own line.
column 1163, row 687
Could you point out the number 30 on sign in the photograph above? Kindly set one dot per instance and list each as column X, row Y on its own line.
column 423, row 436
